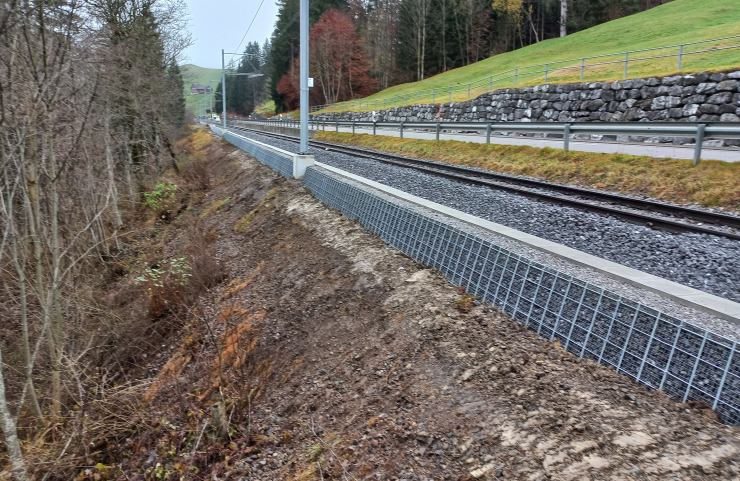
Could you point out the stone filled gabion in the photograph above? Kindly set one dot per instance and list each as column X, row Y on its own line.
column 700, row 97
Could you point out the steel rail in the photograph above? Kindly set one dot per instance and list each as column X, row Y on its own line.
column 559, row 193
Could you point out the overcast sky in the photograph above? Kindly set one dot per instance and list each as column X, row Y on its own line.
column 221, row 24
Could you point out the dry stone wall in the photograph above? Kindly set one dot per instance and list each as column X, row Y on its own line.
column 699, row 97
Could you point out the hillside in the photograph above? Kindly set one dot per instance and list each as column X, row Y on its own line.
column 193, row 74
column 677, row 22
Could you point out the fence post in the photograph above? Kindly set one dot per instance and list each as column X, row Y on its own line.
column 401, row 129
column 419, row 96
column 437, row 131
column 547, row 66
column 516, row 76
column 626, row 60
column 583, row 63
column 407, row 99
column 699, row 140
column 383, row 104
column 449, row 97
column 490, row 84
column 433, row 92
column 566, row 137
column 394, row 101
column 680, row 56
column 488, row 133
column 374, row 125
column 468, row 91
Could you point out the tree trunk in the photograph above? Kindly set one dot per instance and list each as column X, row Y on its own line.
column 11, row 433
column 563, row 16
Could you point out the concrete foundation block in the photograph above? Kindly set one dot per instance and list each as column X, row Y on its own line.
column 300, row 163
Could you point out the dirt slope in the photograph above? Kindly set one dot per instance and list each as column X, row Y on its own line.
column 337, row 358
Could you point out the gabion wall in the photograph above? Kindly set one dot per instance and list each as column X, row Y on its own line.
column 279, row 162
column 649, row 346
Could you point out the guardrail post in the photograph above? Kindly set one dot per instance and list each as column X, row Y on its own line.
column 437, row 131
column 626, row 60
column 680, row 56
column 337, row 126
column 516, row 76
column 547, row 66
column 374, row 125
column 699, row 140
column 353, row 126
column 402, row 129
column 583, row 64
column 488, row 133
column 566, row 137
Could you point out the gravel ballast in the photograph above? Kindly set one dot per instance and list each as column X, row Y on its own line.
column 705, row 262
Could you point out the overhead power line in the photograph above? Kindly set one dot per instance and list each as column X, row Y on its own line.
column 248, row 29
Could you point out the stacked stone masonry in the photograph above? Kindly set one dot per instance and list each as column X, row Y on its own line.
column 700, row 97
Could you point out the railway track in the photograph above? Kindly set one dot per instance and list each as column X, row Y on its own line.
column 657, row 215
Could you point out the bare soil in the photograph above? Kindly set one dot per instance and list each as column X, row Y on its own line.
column 326, row 355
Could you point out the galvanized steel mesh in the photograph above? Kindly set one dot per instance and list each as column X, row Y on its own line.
column 278, row 162
column 649, row 346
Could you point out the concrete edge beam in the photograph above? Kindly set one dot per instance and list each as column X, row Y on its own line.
column 684, row 295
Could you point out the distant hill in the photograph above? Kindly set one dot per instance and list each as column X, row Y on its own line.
column 677, row 22
column 192, row 74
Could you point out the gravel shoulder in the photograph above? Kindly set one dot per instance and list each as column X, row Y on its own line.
column 369, row 366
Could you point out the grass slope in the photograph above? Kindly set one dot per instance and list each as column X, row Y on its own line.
column 680, row 21
column 192, row 74
column 711, row 183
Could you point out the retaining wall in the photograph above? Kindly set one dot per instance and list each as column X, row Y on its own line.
column 649, row 346
column 700, row 97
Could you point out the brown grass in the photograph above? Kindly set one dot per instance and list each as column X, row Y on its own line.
column 711, row 183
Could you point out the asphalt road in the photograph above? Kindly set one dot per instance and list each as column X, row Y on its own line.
column 638, row 148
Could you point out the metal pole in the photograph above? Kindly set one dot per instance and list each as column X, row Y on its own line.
column 223, row 85
column 566, row 138
column 488, row 133
column 546, row 68
column 583, row 63
column 699, row 140
column 450, row 95
column 626, row 59
column 680, row 56
column 516, row 76
column 437, row 130
column 374, row 125
column 432, row 95
column 401, row 129
column 468, row 90
column 304, row 75
column 490, row 83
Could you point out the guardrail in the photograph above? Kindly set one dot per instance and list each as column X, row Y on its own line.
column 697, row 131
column 516, row 75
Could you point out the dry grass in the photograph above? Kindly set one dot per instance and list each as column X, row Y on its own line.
column 711, row 183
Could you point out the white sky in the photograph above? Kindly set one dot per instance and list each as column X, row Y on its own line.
column 221, row 24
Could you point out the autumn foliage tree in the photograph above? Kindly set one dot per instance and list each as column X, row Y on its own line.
column 336, row 63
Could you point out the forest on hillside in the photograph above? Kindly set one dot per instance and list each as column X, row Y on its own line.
column 359, row 47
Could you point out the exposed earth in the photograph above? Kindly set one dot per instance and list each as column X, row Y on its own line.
column 326, row 355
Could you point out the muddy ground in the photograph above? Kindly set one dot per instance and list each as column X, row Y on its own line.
column 335, row 357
